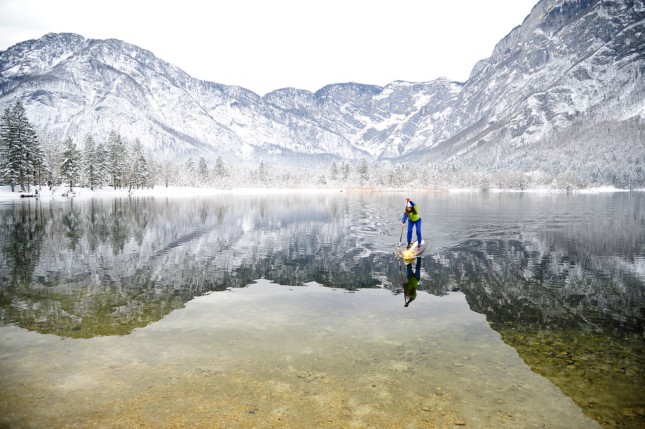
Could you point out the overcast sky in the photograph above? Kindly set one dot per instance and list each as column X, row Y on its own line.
column 264, row 45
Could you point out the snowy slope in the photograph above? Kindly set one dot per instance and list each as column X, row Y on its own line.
column 570, row 60
column 573, row 65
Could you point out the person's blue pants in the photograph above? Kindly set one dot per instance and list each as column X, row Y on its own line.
column 416, row 224
column 417, row 270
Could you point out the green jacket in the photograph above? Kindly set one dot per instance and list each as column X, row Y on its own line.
column 410, row 289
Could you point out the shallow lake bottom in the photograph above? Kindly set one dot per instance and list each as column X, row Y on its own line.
column 279, row 356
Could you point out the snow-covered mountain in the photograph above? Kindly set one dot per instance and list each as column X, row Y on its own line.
column 572, row 69
column 572, row 63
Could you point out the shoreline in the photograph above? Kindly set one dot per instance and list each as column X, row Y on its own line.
column 178, row 191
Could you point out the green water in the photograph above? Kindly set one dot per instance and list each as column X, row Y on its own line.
column 603, row 374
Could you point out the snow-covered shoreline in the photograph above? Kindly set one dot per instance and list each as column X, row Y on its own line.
column 180, row 191
column 596, row 190
column 171, row 191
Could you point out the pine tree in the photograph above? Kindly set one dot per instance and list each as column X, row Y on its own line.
column 53, row 155
column 154, row 170
column 8, row 162
column 168, row 173
column 91, row 170
column 22, row 159
column 136, row 174
column 70, row 168
column 144, row 172
column 220, row 169
column 32, row 160
column 38, row 161
column 202, row 170
column 116, row 159
column 102, row 164
column 363, row 171
column 345, row 171
column 189, row 173
column 333, row 171
column 262, row 173
column 141, row 165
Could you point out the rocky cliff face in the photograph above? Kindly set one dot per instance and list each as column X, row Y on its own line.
column 571, row 67
column 569, row 61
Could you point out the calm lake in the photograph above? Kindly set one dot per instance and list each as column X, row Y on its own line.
column 286, row 309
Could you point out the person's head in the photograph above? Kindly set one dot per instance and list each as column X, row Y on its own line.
column 409, row 208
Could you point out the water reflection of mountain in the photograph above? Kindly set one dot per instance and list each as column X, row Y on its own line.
column 520, row 283
column 565, row 289
column 83, row 268
column 574, row 317
column 101, row 267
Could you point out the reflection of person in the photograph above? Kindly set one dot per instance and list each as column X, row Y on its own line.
column 410, row 287
column 414, row 221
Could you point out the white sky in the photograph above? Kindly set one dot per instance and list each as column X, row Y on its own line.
column 264, row 45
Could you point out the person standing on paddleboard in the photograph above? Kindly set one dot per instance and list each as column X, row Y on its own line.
column 414, row 221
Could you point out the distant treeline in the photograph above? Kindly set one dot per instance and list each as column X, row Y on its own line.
column 576, row 159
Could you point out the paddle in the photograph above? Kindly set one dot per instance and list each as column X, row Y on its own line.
column 396, row 252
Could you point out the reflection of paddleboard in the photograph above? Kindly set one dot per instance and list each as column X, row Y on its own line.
column 412, row 253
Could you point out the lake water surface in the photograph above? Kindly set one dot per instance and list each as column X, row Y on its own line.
column 287, row 310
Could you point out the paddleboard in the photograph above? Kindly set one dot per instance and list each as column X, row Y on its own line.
column 412, row 253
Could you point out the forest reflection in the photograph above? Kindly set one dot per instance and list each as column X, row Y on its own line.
column 102, row 267
column 568, row 295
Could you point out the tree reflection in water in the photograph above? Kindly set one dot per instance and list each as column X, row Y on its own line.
column 568, row 296
column 579, row 326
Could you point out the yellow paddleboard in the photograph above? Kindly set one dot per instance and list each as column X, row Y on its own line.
column 412, row 253
column 409, row 254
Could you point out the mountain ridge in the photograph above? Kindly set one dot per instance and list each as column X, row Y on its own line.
column 571, row 62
